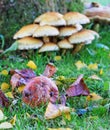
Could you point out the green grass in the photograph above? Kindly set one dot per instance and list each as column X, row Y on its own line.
column 94, row 120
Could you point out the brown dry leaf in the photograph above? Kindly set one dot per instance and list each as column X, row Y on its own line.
column 78, row 88
column 93, row 97
column 55, row 110
column 4, row 102
column 80, row 65
column 21, row 77
column 49, row 70
column 59, row 129
column 95, row 77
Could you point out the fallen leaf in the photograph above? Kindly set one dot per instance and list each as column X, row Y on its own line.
column 49, row 70
column 4, row 72
column 21, row 88
column 57, row 58
column 21, row 77
column 13, row 120
column 78, row 88
column 1, row 115
column 95, row 77
column 59, row 129
column 4, row 102
column 6, row 125
column 101, row 71
column 4, row 86
column 80, row 65
column 93, row 66
column 55, row 110
column 9, row 94
column 31, row 65
column 93, row 97
column 67, row 116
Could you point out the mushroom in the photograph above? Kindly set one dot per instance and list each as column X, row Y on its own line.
column 25, row 31
column 65, row 44
column 98, row 13
column 69, row 30
column 73, row 18
column 50, row 46
column 45, row 31
column 50, row 18
column 27, row 43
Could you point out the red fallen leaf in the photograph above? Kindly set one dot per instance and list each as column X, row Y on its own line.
column 78, row 88
column 4, row 102
column 20, row 77
column 49, row 70
column 40, row 90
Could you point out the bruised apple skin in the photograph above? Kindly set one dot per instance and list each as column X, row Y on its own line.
column 40, row 90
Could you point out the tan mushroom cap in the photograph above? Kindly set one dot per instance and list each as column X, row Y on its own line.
column 75, row 18
column 46, row 30
column 65, row 44
column 69, row 30
column 53, row 15
column 25, row 31
column 82, row 36
column 27, row 43
column 50, row 46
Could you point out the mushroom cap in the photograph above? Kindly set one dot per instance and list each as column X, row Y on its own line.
column 52, row 15
column 75, row 18
column 27, row 43
column 25, row 31
column 69, row 30
column 82, row 36
column 50, row 46
column 103, row 12
column 65, row 44
column 46, row 30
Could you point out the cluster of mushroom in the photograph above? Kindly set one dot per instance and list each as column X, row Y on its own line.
column 53, row 31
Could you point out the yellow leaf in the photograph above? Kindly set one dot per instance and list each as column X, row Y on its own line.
column 57, row 58
column 93, row 66
column 1, row 115
column 21, row 88
column 31, row 65
column 80, row 65
column 4, row 72
column 55, row 110
column 67, row 116
column 4, row 86
column 59, row 129
column 101, row 71
column 27, row 114
column 9, row 94
column 6, row 125
column 95, row 77
column 13, row 120
column 93, row 97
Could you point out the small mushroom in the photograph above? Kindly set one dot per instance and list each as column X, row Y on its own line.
column 69, row 30
column 50, row 46
column 50, row 18
column 73, row 18
column 27, row 43
column 45, row 31
column 82, row 36
column 65, row 44
column 25, row 31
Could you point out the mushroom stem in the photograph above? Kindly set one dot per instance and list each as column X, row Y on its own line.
column 78, row 48
column 46, row 39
